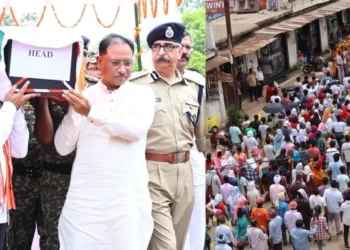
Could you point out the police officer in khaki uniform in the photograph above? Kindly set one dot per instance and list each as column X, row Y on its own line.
column 179, row 116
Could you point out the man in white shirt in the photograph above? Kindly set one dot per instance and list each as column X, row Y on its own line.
column 108, row 126
column 317, row 200
column 340, row 67
column 333, row 198
column 257, row 237
column 338, row 130
column 196, row 233
column 14, row 136
column 345, row 217
column 260, row 78
column 345, row 150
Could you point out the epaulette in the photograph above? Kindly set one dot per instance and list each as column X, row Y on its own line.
column 194, row 77
column 137, row 75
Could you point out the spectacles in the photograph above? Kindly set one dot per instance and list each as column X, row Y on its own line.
column 187, row 47
column 168, row 47
column 93, row 69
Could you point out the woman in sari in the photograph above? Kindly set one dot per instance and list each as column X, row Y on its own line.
column 256, row 154
column 312, row 134
column 277, row 141
column 316, row 169
column 321, row 95
column 329, row 125
column 326, row 114
column 252, row 195
column 344, row 114
column 304, row 207
column 308, row 178
column 242, row 225
column 301, row 137
column 232, row 200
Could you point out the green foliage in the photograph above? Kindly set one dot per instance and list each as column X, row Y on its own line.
column 28, row 19
column 195, row 26
column 235, row 116
column 197, row 61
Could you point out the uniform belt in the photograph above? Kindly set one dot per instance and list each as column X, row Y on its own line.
column 172, row 158
column 21, row 169
column 65, row 168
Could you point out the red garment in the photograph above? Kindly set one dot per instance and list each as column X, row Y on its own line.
column 208, row 165
column 6, row 189
column 313, row 151
column 345, row 113
column 307, row 116
column 269, row 93
column 322, row 227
column 321, row 96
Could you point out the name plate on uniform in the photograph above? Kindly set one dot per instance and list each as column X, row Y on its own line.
column 49, row 70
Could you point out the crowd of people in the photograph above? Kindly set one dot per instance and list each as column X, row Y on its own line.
column 286, row 178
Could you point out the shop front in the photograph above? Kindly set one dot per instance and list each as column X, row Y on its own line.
column 273, row 58
column 308, row 40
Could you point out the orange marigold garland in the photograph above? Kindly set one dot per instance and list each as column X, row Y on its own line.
column 64, row 26
column 41, row 17
column 144, row 6
column 15, row 19
column 166, row 6
column 178, row 2
column 13, row 16
column 154, row 7
column 137, row 31
column 139, row 11
column 99, row 21
column 138, row 54
column 2, row 15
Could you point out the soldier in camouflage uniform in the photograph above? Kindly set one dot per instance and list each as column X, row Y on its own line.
column 55, row 177
column 26, row 187
column 92, row 73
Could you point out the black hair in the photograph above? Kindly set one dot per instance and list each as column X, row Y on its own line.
column 240, row 212
column 317, row 211
column 222, row 219
column 114, row 39
column 332, row 144
column 316, row 191
column 334, row 184
column 186, row 34
column 336, row 157
column 226, row 179
column 313, row 142
column 342, row 169
column 299, row 223
column 325, row 180
column 347, row 196
column 254, row 223
column 208, row 158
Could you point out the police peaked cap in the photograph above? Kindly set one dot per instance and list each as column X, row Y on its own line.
column 86, row 42
column 172, row 32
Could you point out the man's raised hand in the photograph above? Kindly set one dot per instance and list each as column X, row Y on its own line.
column 19, row 98
column 79, row 103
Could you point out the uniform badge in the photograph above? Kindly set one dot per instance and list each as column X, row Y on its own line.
column 154, row 76
column 169, row 33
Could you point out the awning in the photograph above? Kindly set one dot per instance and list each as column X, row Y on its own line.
column 216, row 62
column 249, row 44
column 301, row 20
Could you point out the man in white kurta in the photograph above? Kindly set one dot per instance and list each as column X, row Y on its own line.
column 13, row 133
column 108, row 204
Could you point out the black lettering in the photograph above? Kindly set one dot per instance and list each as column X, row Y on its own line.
column 43, row 55
column 31, row 52
column 49, row 54
column 37, row 53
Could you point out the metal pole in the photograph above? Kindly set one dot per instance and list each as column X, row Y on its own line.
column 232, row 59
column 138, row 37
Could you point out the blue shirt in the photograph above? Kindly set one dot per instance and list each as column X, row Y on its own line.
column 300, row 238
column 335, row 168
column 283, row 208
column 235, row 132
column 275, row 230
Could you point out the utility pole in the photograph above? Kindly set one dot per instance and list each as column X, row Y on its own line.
column 231, row 51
